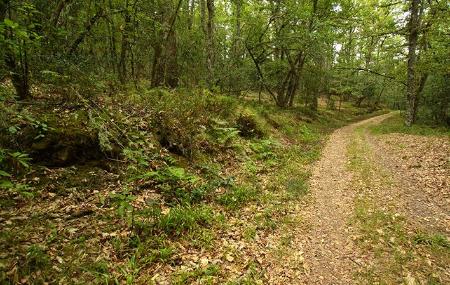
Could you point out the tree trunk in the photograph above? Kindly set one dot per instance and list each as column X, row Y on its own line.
column 59, row 9
column 18, row 68
column 89, row 26
column 237, row 34
column 172, row 72
column 191, row 11
column 158, row 66
column 165, row 64
column 112, row 39
column 210, row 42
column 124, row 45
column 411, row 87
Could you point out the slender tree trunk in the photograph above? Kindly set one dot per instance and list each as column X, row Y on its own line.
column 286, row 94
column 210, row 42
column 125, row 45
column 58, row 11
column 191, row 16
column 237, row 34
column 411, row 87
column 18, row 68
column 236, row 50
column 88, row 28
column 112, row 39
column 165, row 64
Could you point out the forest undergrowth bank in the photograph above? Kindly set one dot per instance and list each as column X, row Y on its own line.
column 154, row 186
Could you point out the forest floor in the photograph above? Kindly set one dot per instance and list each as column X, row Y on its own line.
column 298, row 203
column 380, row 209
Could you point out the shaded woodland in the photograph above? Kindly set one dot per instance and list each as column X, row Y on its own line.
column 167, row 141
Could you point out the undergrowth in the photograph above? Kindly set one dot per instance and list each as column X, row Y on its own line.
column 175, row 167
column 396, row 124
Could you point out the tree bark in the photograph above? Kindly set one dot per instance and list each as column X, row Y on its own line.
column 411, row 84
column 18, row 68
column 191, row 11
column 237, row 34
column 89, row 26
column 124, row 45
column 58, row 11
column 112, row 40
column 165, row 65
column 210, row 42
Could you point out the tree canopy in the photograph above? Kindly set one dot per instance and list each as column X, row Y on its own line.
column 370, row 51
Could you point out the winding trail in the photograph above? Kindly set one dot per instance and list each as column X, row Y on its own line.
column 331, row 256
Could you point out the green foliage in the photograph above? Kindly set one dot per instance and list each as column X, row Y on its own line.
column 396, row 124
column 182, row 119
column 296, row 187
column 436, row 101
column 109, row 136
column 204, row 275
column 176, row 184
column 18, row 121
column 307, row 135
column 435, row 240
column 16, row 162
column 237, row 196
column 129, row 270
column 182, row 219
column 123, row 203
column 223, row 134
column 36, row 258
column 264, row 149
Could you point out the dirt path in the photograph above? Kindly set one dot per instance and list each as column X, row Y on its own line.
column 330, row 254
column 398, row 176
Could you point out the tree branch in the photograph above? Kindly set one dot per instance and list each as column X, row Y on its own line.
column 373, row 72
column 261, row 76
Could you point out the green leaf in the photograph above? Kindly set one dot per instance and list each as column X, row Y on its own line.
column 10, row 23
column 4, row 173
column 6, row 184
column 12, row 130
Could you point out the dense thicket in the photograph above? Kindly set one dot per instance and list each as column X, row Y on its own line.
column 292, row 51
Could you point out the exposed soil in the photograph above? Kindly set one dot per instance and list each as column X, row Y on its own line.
column 419, row 176
column 331, row 257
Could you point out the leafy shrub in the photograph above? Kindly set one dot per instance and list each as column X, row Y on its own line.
column 181, row 118
column 264, row 149
column 123, row 203
column 175, row 183
column 221, row 133
column 16, row 162
column 307, row 135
